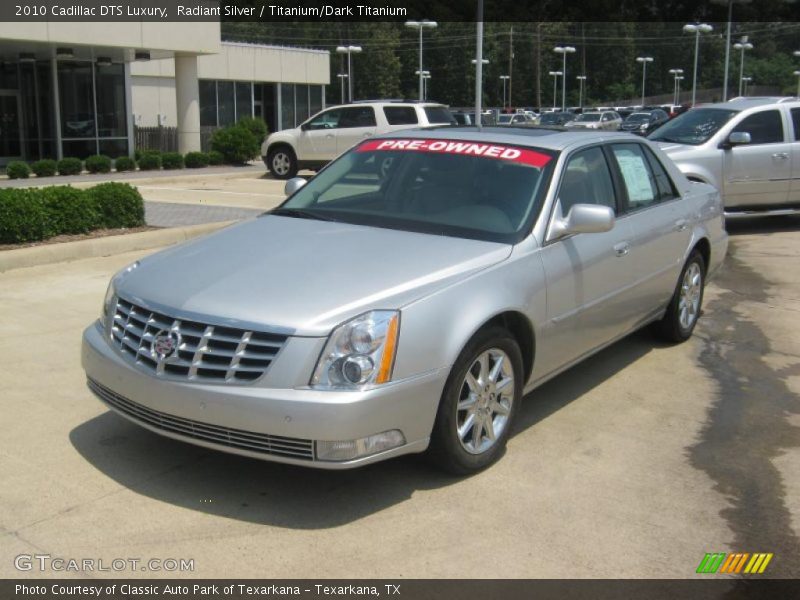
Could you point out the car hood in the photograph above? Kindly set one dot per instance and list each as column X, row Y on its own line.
column 302, row 276
column 672, row 148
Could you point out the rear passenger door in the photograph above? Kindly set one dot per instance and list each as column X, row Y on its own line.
column 355, row 125
column 659, row 222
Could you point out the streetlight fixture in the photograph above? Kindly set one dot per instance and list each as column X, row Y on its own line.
column 742, row 45
column 581, row 81
column 745, row 81
column 563, row 51
column 425, row 76
column 342, row 77
column 675, row 73
column 797, row 74
column 729, row 4
column 504, row 78
column 679, row 78
column 696, row 29
column 421, row 25
column 349, row 50
column 555, row 75
column 644, row 60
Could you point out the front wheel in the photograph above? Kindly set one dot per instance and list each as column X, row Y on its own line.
column 478, row 405
column 282, row 162
column 684, row 308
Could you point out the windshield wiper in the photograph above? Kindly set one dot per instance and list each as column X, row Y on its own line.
column 667, row 139
column 300, row 213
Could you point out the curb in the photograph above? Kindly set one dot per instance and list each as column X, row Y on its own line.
column 105, row 246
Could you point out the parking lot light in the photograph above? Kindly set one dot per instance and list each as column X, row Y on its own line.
column 676, row 73
column 555, row 75
column 563, row 51
column 696, row 29
column 644, row 60
column 342, row 77
column 745, row 81
column 349, row 50
column 421, row 25
column 742, row 45
column 581, row 82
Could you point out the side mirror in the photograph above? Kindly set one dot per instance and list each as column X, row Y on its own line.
column 293, row 185
column 584, row 218
column 305, row 126
column 737, row 138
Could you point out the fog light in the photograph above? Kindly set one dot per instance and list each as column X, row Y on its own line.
column 351, row 449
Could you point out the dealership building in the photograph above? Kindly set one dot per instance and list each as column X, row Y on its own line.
column 77, row 89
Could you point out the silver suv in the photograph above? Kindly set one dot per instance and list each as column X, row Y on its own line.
column 329, row 133
column 749, row 148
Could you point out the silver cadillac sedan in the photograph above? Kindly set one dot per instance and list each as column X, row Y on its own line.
column 407, row 297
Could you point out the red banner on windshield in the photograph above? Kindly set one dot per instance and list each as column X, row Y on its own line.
column 497, row 151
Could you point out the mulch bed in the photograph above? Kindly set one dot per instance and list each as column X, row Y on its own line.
column 98, row 233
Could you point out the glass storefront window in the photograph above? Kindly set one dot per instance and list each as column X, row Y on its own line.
column 301, row 102
column 75, row 93
column 208, row 103
column 287, row 106
column 314, row 99
column 80, row 148
column 244, row 99
column 114, row 148
column 226, row 103
column 111, row 113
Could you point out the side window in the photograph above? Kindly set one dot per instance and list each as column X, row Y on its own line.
column 666, row 189
column 327, row 120
column 357, row 116
column 796, row 123
column 639, row 181
column 764, row 127
column 586, row 180
column 400, row 115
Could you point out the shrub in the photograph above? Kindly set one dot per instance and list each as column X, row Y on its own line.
column 196, row 160
column 124, row 163
column 69, row 210
column 17, row 169
column 117, row 205
column 70, row 166
column 137, row 154
column 45, row 167
column 255, row 126
column 149, row 161
column 215, row 158
column 172, row 160
column 99, row 163
column 237, row 144
column 22, row 216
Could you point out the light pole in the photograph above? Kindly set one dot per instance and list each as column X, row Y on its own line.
column 729, row 4
column 581, row 80
column 421, row 25
column 342, row 77
column 797, row 74
column 504, row 78
column 679, row 78
column 425, row 76
column 745, row 81
column 742, row 45
column 696, row 29
column 675, row 73
column 478, row 62
column 555, row 75
column 563, row 51
column 644, row 60
column 349, row 50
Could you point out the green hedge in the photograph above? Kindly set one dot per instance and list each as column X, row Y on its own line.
column 255, row 126
column 149, row 161
column 124, row 163
column 196, row 160
column 34, row 214
column 98, row 163
column 215, row 157
column 237, row 144
column 45, row 168
column 17, row 169
column 172, row 160
column 70, row 166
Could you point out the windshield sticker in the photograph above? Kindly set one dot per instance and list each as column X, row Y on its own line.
column 518, row 155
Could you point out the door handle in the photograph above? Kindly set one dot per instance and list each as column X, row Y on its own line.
column 329, row 135
column 781, row 155
column 681, row 225
column 622, row 248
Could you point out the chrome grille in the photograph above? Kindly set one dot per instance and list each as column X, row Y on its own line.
column 204, row 352
column 233, row 438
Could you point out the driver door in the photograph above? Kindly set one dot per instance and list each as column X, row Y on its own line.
column 318, row 136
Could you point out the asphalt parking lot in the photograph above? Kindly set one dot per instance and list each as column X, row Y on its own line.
column 633, row 464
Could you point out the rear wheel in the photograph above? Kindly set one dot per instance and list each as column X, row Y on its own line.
column 684, row 308
column 282, row 162
column 478, row 405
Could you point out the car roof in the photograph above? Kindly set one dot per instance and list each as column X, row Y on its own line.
column 742, row 103
column 550, row 138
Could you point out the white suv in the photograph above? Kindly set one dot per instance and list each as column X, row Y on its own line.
column 327, row 134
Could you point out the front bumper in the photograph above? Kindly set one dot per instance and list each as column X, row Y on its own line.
column 276, row 424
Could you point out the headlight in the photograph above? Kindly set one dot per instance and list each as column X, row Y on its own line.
column 359, row 352
column 111, row 291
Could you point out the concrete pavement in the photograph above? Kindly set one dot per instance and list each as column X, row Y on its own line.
column 633, row 464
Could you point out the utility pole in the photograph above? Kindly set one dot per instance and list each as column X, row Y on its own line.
column 510, row 63
column 538, row 64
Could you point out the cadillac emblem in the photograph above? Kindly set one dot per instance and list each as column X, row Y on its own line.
column 164, row 345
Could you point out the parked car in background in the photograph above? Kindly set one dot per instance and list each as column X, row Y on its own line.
column 556, row 118
column 644, row 122
column 387, row 311
column 327, row 134
column 607, row 120
column 514, row 119
column 748, row 148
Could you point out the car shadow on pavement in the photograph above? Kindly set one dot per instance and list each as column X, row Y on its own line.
column 756, row 225
column 294, row 497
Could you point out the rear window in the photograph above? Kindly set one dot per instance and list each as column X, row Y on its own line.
column 439, row 115
column 400, row 115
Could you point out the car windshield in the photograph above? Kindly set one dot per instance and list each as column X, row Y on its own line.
column 474, row 190
column 638, row 118
column 694, row 127
column 439, row 115
column 505, row 118
column 588, row 117
column 549, row 119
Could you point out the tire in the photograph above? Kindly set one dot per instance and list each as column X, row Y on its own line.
column 282, row 162
column 461, row 448
column 687, row 302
